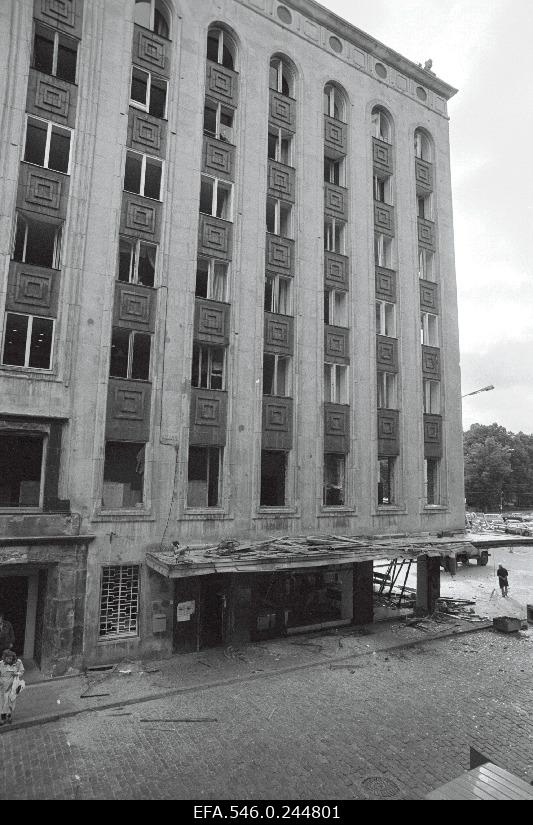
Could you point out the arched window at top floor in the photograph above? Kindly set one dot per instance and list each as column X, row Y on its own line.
column 423, row 146
column 154, row 15
column 334, row 102
column 221, row 47
column 282, row 76
column 381, row 125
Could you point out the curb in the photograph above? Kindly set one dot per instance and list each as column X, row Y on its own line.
column 43, row 720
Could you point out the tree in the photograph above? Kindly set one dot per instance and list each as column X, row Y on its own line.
column 498, row 467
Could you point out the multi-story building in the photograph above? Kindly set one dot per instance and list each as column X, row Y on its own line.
column 228, row 313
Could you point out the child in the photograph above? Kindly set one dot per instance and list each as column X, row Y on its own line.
column 11, row 670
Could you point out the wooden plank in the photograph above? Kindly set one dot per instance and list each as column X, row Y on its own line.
column 512, row 780
column 502, row 786
column 460, row 789
column 488, row 782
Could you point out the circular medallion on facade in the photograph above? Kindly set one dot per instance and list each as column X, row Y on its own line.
column 284, row 14
column 381, row 70
column 335, row 44
column 421, row 93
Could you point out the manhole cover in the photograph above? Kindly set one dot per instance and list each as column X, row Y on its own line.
column 379, row 788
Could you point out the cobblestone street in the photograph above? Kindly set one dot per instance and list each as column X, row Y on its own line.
column 406, row 718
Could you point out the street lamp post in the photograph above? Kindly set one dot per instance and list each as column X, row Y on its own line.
column 476, row 392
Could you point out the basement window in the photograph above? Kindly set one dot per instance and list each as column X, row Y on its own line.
column 130, row 354
column 204, row 476
column 37, row 242
column 28, row 341
column 47, row 145
column 119, row 601
column 136, row 261
column 21, row 469
column 273, row 478
column 143, row 175
column 211, row 278
column 148, row 92
column 123, row 475
column 54, row 53
column 334, row 473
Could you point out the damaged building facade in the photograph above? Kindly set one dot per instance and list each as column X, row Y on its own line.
column 228, row 314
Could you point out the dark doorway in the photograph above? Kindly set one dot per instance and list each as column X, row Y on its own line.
column 214, row 604
column 273, row 472
column 13, row 602
column 39, row 619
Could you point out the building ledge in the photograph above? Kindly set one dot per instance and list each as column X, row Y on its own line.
column 10, row 541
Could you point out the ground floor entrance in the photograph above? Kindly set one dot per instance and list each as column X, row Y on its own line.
column 21, row 606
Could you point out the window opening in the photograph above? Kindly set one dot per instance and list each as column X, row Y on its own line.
column 335, row 308
column 47, row 145
column 136, row 261
column 21, row 469
column 386, row 483
column 336, row 383
column 334, row 236
column 386, row 319
column 55, row 53
column 432, row 481
column 278, row 294
column 429, row 329
column 130, row 354
column 119, row 601
column 387, row 397
column 431, row 397
column 211, row 279
column 148, row 92
column 276, row 375
column 204, row 476
column 208, row 367
column 220, row 48
column 123, row 475
column 216, row 198
column 334, row 480
column 37, row 242
column 273, row 478
column 28, row 341
column 143, row 175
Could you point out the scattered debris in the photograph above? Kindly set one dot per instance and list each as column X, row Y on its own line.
column 176, row 721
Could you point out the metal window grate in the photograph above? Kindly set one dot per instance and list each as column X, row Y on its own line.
column 119, row 602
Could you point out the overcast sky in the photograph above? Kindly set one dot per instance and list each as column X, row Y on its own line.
column 483, row 48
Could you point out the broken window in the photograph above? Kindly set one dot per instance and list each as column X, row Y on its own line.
column 382, row 250
column 216, row 198
column 28, row 341
column 136, row 261
column 123, row 475
column 334, row 235
column 130, row 354
column 54, row 53
column 221, row 48
column 148, row 92
column 278, row 294
column 211, row 278
column 386, row 319
column 21, row 469
column 119, row 601
column 204, row 476
column 432, row 481
column 334, row 469
column 431, row 397
column 281, row 77
column 386, row 482
column 153, row 15
column 37, row 241
column 143, row 175
column 208, row 367
column 273, row 478
column 387, row 395
column 335, row 383
column 335, row 308
column 47, row 145
column 276, row 375
column 429, row 329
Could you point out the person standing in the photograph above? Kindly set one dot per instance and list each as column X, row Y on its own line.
column 502, row 579
column 11, row 683
column 7, row 636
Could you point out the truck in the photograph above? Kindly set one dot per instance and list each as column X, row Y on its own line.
column 464, row 553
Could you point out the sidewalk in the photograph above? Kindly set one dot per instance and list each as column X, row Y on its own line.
column 130, row 682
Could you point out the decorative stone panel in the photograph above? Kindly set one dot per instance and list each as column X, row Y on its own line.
column 384, row 218
column 385, row 285
column 215, row 237
column 141, row 217
column 33, row 289
column 278, row 334
column 336, row 428
column 382, row 156
column 151, row 52
column 281, row 181
column 43, row 191
column 335, row 141
column 433, row 436
column 282, row 111
column 431, row 366
column 134, row 307
column 218, row 158
column 429, row 297
column 279, row 255
column 211, row 322
column 128, row 410
column 277, row 424
column 222, row 84
column 388, row 433
column 426, row 234
column 65, row 15
column 336, row 201
column 146, row 133
column 51, row 98
column 424, row 177
column 208, row 418
column 386, row 354
column 336, row 345
column 336, row 271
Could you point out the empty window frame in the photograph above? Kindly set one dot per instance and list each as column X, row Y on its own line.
column 47, row 145
column 334, row 171
column 431, row 391
column 381, row 128
column 37, row 242
column 221, row 48
column 386, row 481
column 123, row 475
column 426, row 265
column 424, row 207
column 204, row 476
column 334, row 105
column 429, row 329
column 148, row 92
column 334, row 480
column 218, row 120
column 130, row 354
column 22, row 458
column 335, row 383
column 422, row 147
column 280, row 146
column 432, row 481
column 336, row 308
column 277, row 375
column 54, row 53
column 216, row 198
column 383, row 190
column 386, row 391
column 208, row 367
column 279, row 218
column 386, row 319
column 28, row 341
column 119, row 602
column 211, row 279
column 334, row 236
column 136, row 261
column 273, row 478
column 153, row 15
column 143, row 175
column 281, row 77
column 382, row 250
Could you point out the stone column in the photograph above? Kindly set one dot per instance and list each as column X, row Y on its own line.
column 363, row 596
column 427, row 584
